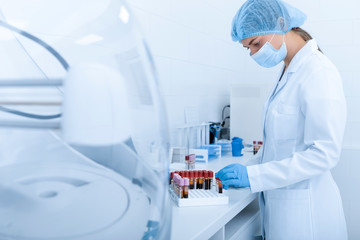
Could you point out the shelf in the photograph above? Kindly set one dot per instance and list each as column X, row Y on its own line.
column 211, row 222
column 246, row 224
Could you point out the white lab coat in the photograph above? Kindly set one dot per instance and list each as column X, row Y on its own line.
column 304, row 122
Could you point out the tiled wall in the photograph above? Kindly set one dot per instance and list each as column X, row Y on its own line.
column 197, row 61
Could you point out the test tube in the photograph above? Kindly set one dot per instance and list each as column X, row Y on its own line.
column 211, row 176
column 192, row 159
column 186, row 188
column 197, row 174
column 177, row 172
column 181, row 185
column 195, row 179
column 206, row 179
column 187, row 174
column 187, row 162
column 201, row 179
column 171, row 177
column 260, row 143
column 175, row 181
column 219, row 185
column 254, row 147
column 191, row 185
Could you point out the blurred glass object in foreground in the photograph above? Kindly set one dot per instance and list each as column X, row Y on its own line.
column 83, row 137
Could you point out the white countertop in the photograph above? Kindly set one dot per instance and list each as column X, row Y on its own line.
column 202, row 222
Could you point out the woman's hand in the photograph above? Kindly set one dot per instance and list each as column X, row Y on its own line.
column 234, row 175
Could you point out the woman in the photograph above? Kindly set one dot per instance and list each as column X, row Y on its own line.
column 304, row 121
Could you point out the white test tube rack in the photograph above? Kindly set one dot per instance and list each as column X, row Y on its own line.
column 194, row 135
column 200, row 197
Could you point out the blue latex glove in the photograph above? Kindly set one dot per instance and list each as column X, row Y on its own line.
column 234, row 175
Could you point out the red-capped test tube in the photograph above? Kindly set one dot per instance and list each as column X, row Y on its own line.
column 211, row 176
column 206, row 180
column 171, row 177
column 192, row 180
column 186, row 188
column 200, row 180
column 181, row 185
column 219, row 185
column 175, row 182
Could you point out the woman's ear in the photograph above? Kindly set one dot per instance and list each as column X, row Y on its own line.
column 281, row 24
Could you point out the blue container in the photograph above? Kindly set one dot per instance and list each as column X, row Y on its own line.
column 237, row 146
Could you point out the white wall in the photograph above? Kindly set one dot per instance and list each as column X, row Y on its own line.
column 197, row 63
column 336, row 26
column 196, row 60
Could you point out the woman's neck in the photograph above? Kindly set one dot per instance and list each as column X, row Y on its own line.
column 293, row 44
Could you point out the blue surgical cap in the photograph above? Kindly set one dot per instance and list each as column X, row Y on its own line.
column 261, row 17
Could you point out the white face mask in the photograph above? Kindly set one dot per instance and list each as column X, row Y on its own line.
column 268, row 56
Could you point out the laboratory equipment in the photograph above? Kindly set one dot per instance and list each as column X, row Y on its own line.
column 215, row 128
column 214, row 150
column 186, row 188
column 83, row 147
column 225, row 146
column 225, row 125
column 196, row 188
column 237, row 146
column 178, row 154
column 219, row 187
column 193, row 135
column 190, row 161
column 256, row 146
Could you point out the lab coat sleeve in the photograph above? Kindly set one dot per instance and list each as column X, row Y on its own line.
column 323, row 105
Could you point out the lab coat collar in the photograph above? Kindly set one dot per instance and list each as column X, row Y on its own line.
column 309, row 48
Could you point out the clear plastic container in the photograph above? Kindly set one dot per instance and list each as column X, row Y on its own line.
column 214, row 151
column 225, row 146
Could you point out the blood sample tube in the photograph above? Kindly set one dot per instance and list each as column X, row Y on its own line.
column 192, row 158
column 254, row 147
column 187, row 162
column 181, row 185
column 211, row 176
column 219, row 185
column 206, row 179
column 195, row 179
column 178, row 187
column 175, row 181
column 191, row 184
column 171, row 177
column 201, row 179
column 187, row 174
column 197, row 174
column 186, row 188
column 260, row 143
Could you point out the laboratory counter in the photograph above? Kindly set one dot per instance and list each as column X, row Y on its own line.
column 239, row 219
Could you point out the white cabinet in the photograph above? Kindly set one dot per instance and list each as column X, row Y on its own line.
column 240, row 219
